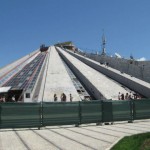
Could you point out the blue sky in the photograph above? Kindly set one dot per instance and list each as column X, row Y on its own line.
column 26, row 24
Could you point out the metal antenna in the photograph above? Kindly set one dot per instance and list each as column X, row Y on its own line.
column 103, row 44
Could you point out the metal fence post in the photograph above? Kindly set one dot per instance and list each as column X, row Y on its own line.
column 107, row 115
column 101, row 122
column 79, row 114
column 131, row 111
column 41, row 114
column 0, row 116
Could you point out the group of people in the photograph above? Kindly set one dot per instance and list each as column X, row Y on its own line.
column 127, row 96
column 63, row 97
column 5, row 99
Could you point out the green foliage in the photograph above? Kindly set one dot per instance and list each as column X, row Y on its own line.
column 135, row 142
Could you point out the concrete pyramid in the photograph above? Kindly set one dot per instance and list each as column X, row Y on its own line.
column 53, row 70
column 37, row 77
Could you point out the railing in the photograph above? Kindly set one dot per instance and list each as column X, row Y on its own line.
column 24, row 115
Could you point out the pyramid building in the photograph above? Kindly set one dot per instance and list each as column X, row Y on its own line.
column 37, row 76
column 53, row 70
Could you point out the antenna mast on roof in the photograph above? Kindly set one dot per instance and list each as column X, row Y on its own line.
column 103, row 44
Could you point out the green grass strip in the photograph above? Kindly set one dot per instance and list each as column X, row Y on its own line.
column 134, row 142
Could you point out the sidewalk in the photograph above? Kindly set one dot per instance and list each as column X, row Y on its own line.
column 85, row 137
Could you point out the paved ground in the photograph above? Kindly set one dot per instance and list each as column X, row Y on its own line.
column 85, row 137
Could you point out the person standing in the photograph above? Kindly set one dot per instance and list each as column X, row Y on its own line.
column 13, row 99
column 3, row 99
column 63, row 97
column 119, row 96
column 71, row 98
column 127, row 96
column 130, row 96
column 55, row 97
column 122, row 96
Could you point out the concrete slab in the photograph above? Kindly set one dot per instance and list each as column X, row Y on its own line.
column 57, row 79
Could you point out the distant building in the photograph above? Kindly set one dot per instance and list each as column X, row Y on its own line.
column 68, row 45
column 43, row 48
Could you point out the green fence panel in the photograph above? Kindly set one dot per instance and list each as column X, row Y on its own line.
column 60, row 113
column 122, row 110
column 141, row 109
column 15, row 115
column 91, row 111
column 0, row 114
column 107, row 115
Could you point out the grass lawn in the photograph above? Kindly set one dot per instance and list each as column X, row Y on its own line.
column 134, row 142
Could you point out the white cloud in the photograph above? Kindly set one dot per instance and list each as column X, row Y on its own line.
column 80, row 50
column 141, row 59
column 118, row 55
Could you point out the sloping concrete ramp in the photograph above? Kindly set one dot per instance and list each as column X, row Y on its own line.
column 100, row 86
column 127, row 80
column 56, row 79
